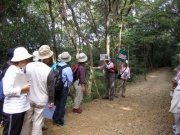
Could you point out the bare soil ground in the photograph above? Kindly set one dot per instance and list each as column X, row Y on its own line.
column 144, row 111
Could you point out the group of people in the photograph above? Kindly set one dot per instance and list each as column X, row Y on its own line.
column 25, row 104
column 124, row 72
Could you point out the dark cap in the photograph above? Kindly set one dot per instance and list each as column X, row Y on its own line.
column 10, row 53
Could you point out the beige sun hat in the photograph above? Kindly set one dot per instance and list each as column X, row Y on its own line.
column 45, row 52
column 82, row 57
column 20, row 53
column 35, row 55
column 65, row 57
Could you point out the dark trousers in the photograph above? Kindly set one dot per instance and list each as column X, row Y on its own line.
column 60, row 102
column 1, row 112
column 110, row 83
column 13, row 123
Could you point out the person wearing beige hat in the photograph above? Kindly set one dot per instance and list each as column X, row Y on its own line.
column 16, row 102
column 61, row 95
column 41, row 91
column 79, row 84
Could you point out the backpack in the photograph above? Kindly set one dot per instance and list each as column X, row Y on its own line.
column 3, row 71
column 74, row 70
column 1, row 91
column 59, row 84
column 114, row 70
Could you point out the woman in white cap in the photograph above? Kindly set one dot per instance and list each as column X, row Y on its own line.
column 16, row 102
column 61, row 95
column 125, row 75
column 41, row 91
column 79, row 83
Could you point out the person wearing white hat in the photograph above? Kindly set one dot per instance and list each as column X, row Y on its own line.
column 108, row 66
column 16, row 102
column 61, row 95
column 125, row 75
column 41, row 91
column 80, row 82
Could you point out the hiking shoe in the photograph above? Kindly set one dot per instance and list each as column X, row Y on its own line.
column 44, row 127
column 78, row 110
column 59, row 125
column 175, row 133
column 105, row 98
column 173, row 127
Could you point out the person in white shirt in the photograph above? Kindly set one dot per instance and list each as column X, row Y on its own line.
column 16, row 102
column 125, row 75
column 175, row 108
column 41, row 91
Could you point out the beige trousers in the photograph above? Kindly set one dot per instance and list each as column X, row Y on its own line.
column 35, row 114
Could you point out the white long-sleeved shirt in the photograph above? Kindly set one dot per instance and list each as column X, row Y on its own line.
column 39, row 75
column 14, row 101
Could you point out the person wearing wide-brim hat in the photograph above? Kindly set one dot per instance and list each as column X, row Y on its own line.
column 41, row 91
column 61, row 95
column 16, row 102
column 79, row 83
column 108, row 66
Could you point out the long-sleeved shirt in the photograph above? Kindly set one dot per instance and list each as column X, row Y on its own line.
column 106, row 68
column 67, row 75
column 42, row 82
column 81, row 73
column 125, row 72
column 14, row 101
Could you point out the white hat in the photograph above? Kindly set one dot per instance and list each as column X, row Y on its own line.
column 35, row 56
column 44, row 52
column 64, row 57
column 82, row 57
column 126, row 61
column 20, row 53
column 59, row 57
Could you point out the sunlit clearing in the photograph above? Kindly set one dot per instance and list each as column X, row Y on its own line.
column 153, row 76
column 126, row 108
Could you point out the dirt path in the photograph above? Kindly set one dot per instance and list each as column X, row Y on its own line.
column 144, row 111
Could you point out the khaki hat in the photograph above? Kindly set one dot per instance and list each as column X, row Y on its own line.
column 20, row 53
column 82, row 57
column 64, row 57
column 45, row 52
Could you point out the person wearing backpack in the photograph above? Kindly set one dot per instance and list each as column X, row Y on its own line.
column 61, row 94
column 108, row 66
column 79, row 82
column 41, row 91
column 4, row 68
column 16, row 102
